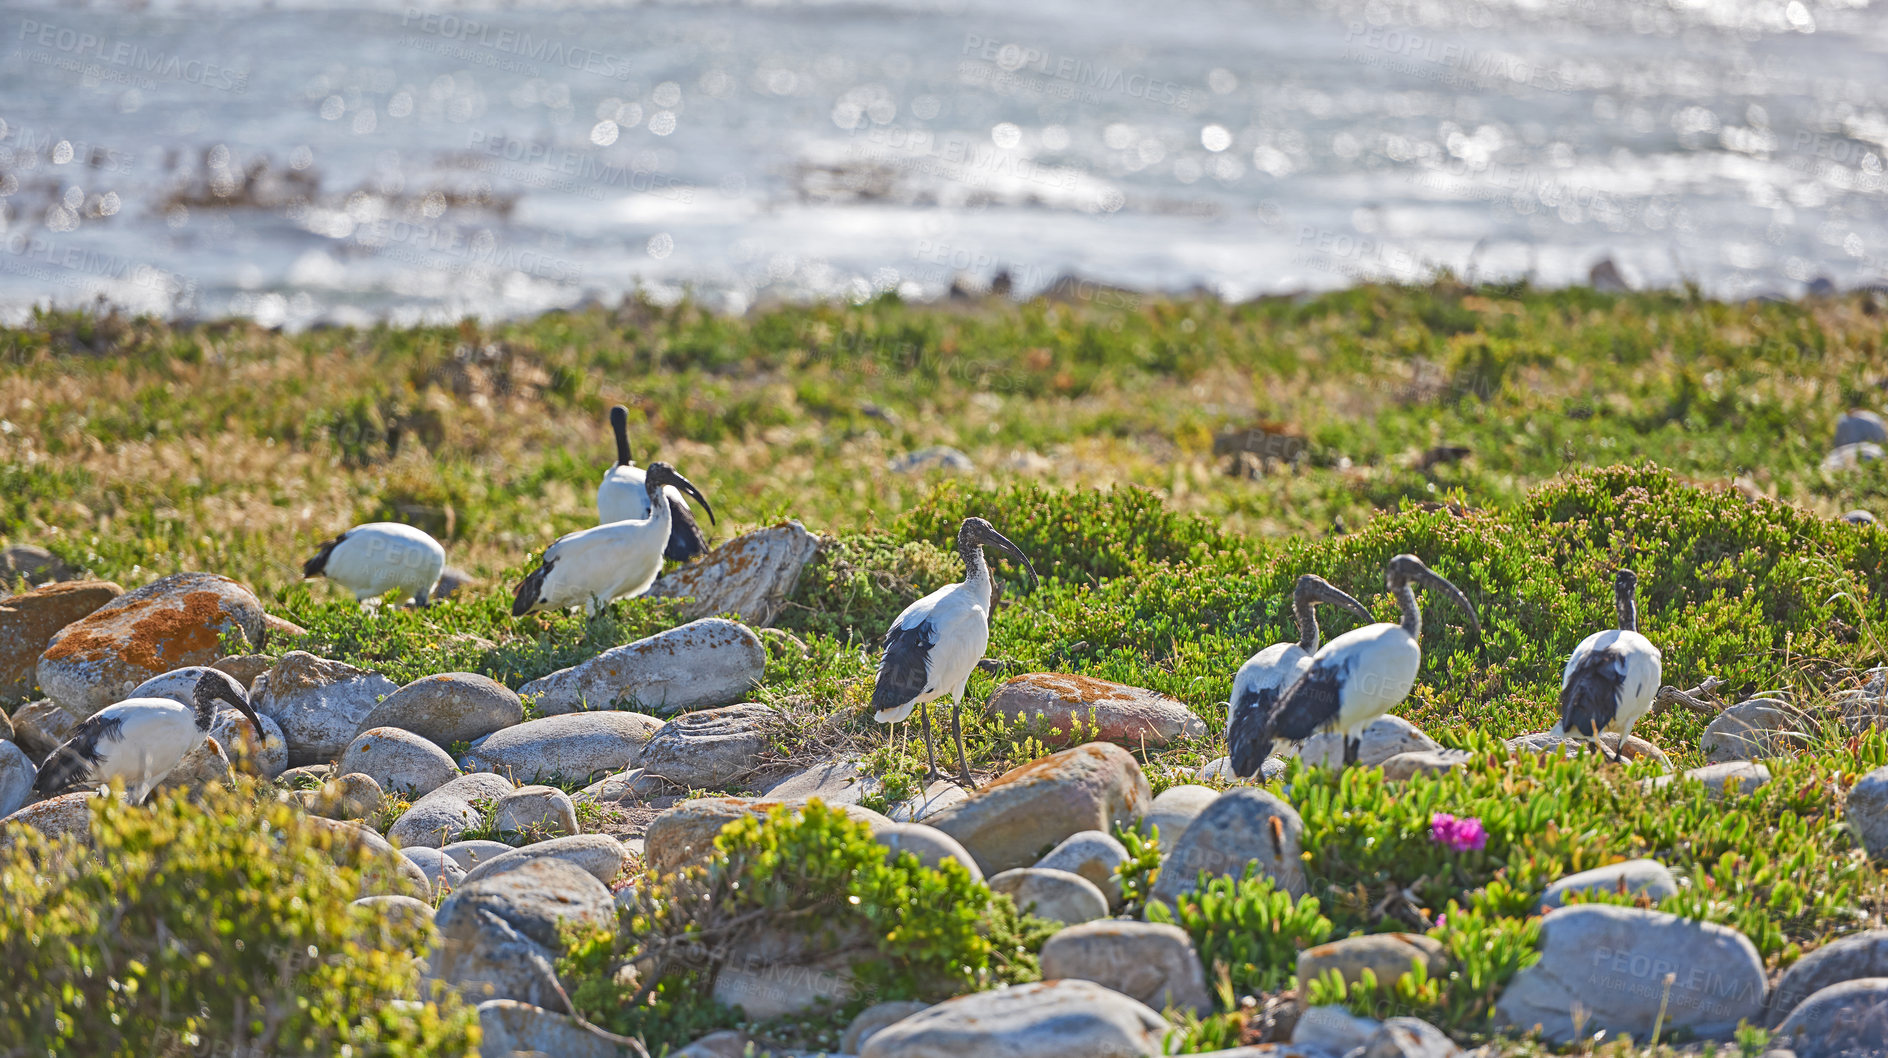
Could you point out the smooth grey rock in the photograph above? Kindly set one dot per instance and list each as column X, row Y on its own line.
column 837, row 783
column 1406, row 766
column 1236, row 830
column 1386, row 955
column 410, row 912
column 699, row 665
column 16, row 778
column 231, row 729
column 1057, row 705
column 1731, row 778
column 1060, row 896
column 939, row 795
column 1635, row 748
column 398, row 760
column 874, row 1018
column 384, row 870
column 751, row 576
column 448, row 707
column 930, row 845
column 536, row 812
column 442, row 871
column 600, row 854
column 500, row 935
column 1859, row 426
column 1383, row 738
column 1613, row 961
column 1094, row 855
column 1859, row 517
column 1863, row 954
column 169, row 623
column 711, row 749
column 344, row 797
column 1752, row 730
column 438, row 819
column 470, row 855
column 772, row 989
column 1174, row 810
column 1219, row 769
column 685, row 833
column 40, row 726
column 624, row 787
column 319, row 703
column 511, row 1029
column 1019, row 815
column 36, row 564
column 1047, row 1019
column 1846, row 1020
column 244, row 668
column 1866, row 812
column 59, row 816
column 1649, row 878
column 566, row 748
column 1850, row 456
column 1410, row 1038
column 1154, row 963
column 1333, row 1029
column 726, row 1043
column 205, row 765
column 932, row 457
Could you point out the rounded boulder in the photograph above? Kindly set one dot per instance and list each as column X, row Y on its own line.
column 449, row 707
column 398, row 760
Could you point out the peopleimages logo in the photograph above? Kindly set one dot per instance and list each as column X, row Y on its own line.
column 512, row 42
column 78, row 46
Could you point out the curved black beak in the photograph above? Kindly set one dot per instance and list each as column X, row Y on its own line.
column 1316, row 589
column 619, row 422
column 1004, row 544
column 226, row 689
column 667, row 476
column 1435, row 580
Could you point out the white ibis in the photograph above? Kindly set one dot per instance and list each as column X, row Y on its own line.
column 1363, row 673
column 1612, row 676
column 595, row 567
column 373, row 559
column 932, row 648
column 139, row 740
column 622, row 498
column 1272, row 671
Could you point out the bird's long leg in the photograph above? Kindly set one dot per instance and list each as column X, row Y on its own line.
column 1619, row 753
column 957, row 732
column 930, row 752
column 1352, row 746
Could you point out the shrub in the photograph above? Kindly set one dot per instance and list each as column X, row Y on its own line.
column 222, row 925
column 1246, row 929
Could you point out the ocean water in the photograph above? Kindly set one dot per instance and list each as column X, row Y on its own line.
column 308, row 162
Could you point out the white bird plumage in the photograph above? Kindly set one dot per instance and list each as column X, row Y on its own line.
column 934, row 645
column 1270, row 672
column 622, row 496
column 373, row 559
column 1612, row 676
column 140, row 740
column 1362, row 674
column 594, row 567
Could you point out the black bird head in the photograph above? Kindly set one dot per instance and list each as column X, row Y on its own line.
column 975, row 532
column 1625, row 584
column 1313, row 589
column 1405, row 569
column 619, row 423
column 661, row 474
column 216, row 685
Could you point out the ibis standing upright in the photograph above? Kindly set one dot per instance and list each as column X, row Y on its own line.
column 597, row 566
column 373, row 559
column 933, row 646
column 622, row 498
column 140, row 740
column 1364, row 673
column 1612, row 676
column 1272, row 671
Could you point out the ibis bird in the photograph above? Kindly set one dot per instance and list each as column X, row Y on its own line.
column 622, row 498
column 597, row 566
column 1272, row 671
column 1612, row 676
column 1363, row 673
column 139, row 740
column 935, row 644
column 373, row 559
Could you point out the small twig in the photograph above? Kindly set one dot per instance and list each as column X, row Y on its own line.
column 1693, row 699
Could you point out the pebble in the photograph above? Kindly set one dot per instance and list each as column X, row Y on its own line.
column 1058, row 705
column 1243, row 826
column 1094, row 855
column 713, row 748
column 499, row 935
column 600, row 854
column 1648, row 878
column 1153, row 963
column 1017, row 815
column 169, row 623
column 398, row 760
column 698, row 665
column 751, row 576
column 1863, row 954
column 28, row 622
column 1046, row 1019
column 1174, row 810
column 566, row 748
column 318, row 703
column 1060, row 896
column 532, row 813
column 930, row 845
column 449, row 707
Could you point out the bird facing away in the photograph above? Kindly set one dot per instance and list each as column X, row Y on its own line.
column 139, row 740
column 932, row 647
column 373, row 559
column 595, row 567
column 622, row 498
column 1363, row 673
column 1612, row 676
column 1272, row 671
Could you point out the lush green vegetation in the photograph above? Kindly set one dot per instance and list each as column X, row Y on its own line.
column 222, row 924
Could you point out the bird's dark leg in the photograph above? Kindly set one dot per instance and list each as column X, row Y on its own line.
column 930, row 753
column 1352, row 746
column 957, row 731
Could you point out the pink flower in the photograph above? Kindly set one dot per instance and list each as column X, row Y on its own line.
column 1459, row 835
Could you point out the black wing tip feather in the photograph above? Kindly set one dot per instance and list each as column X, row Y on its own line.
column 903, row 671
column 530, row 590
column 686, row 540
column 1249, row 739
column 1589, row 700
column 1308, row 706
column 318, row 565
column 72, row 761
